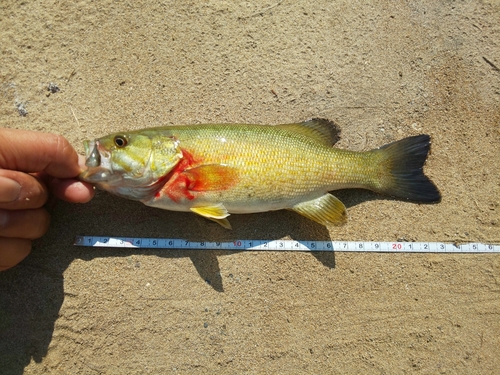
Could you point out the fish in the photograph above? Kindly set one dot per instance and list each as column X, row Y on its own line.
column 215, row 170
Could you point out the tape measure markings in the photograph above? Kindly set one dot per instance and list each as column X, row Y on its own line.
column 286, row 245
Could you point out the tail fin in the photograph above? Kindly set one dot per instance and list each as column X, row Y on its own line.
column 402, row 173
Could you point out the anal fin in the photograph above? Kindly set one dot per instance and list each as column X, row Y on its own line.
column 217, row 213
column 324, row 210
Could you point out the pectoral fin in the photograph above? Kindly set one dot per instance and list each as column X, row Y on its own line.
column 217, row 213
column 210, row 177
column 324, row 210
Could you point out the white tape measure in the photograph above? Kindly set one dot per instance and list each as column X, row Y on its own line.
column 287, row 245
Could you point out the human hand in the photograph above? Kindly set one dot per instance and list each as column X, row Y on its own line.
column 31, row 165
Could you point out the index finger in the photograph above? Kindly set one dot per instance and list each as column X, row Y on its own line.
column 30, row 151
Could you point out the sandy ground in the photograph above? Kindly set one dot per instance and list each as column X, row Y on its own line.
column 381, row 70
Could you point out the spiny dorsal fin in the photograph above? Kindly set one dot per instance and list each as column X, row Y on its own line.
column 319, row 129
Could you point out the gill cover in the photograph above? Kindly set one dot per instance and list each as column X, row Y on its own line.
column 130, row 164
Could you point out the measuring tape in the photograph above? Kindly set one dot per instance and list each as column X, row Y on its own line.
column 286, row 245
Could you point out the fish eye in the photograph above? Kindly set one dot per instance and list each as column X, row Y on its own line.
column 120, row 141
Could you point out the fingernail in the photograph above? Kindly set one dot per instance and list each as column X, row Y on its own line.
column 9, row 190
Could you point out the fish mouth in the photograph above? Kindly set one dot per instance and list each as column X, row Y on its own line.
column 98, row 170
column 93, row 156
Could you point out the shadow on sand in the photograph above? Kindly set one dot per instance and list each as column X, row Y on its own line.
column 32, row 293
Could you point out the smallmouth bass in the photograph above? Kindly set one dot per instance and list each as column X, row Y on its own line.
column 215, row 170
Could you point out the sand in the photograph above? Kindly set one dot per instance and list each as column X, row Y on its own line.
column 380, row 70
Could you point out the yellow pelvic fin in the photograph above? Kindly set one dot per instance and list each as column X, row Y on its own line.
column 321, row 130
column 217, row 213
column 224, row 222
column 324, row 210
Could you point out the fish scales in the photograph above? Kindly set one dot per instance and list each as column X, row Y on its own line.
column 214, row 170
column 288, row 167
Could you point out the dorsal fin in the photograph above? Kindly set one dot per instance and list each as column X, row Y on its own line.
column 319, row 129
